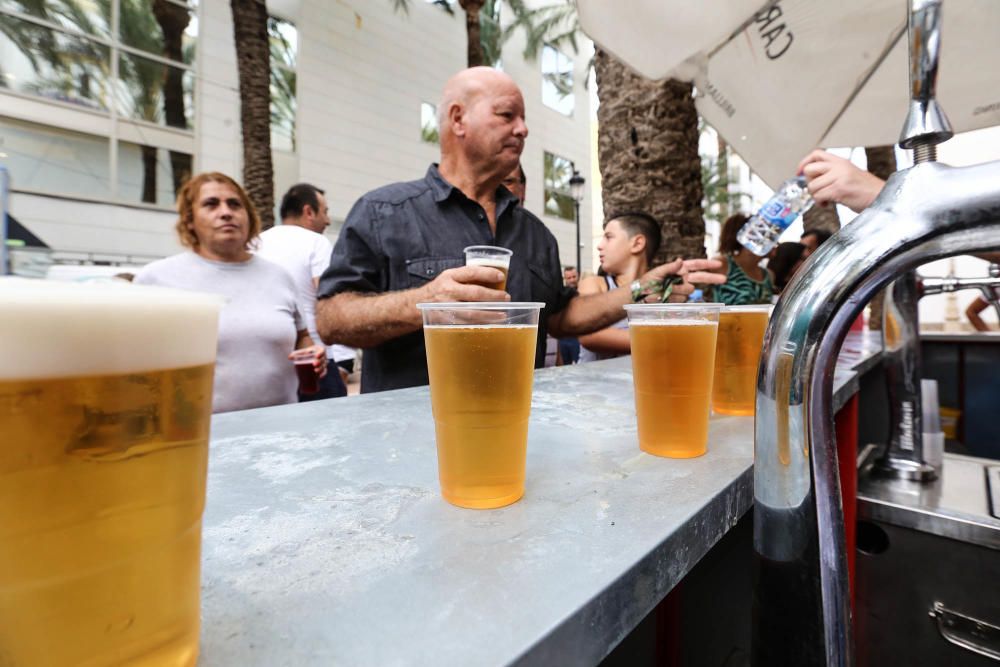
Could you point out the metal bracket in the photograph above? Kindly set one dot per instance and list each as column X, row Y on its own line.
column 967, row 632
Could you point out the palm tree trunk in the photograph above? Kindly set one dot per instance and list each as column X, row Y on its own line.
column 475, row 47
column 882, row 163
column 173, row 21
column 881, row 160
column 825, row 218
column 253, row 61
column 722, row 172
column 648, row 154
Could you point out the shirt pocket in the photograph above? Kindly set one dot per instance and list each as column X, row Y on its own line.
column 422, row 270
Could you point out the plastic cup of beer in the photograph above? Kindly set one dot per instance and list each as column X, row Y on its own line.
column 105, row 401
column 493, row 257
column 737, row 357
column 481, row 360
column 305, row 370
column 673, row 354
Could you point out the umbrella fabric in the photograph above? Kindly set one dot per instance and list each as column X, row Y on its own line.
column 779, row 81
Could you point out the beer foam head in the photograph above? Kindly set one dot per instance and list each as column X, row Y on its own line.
column 58, row 329
column 492, row 262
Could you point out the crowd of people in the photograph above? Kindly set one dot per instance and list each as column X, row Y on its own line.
column 288, row 289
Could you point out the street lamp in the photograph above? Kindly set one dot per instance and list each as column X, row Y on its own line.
column 576, row 182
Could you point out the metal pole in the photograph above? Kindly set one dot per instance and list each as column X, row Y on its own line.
column 4, row 253
column 576, row 207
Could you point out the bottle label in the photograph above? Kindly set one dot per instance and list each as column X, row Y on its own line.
column 778, row 213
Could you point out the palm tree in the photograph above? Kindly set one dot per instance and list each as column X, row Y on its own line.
column 474, row 47
column 648, row 154
column 173, row 21
column 253, row 61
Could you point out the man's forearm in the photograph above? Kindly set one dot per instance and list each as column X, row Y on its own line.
column 362, row 320
column 586, row 314
column 608, row 341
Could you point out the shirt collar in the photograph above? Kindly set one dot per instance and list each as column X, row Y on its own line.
column 442, row 189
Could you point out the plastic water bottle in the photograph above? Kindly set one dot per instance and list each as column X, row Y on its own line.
column 761, row 231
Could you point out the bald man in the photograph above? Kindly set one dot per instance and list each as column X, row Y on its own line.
column 402, row 244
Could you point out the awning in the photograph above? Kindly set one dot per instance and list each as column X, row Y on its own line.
column 21, row 235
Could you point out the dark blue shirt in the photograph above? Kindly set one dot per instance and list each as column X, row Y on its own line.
column 403, row 235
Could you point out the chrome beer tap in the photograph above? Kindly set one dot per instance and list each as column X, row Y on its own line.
column 927, row 212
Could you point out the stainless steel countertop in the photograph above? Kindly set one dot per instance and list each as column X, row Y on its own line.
column 326, row 540
column 970, row 337
column 956, row 505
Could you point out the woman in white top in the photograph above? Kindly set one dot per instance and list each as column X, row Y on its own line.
column 626, row 250
column 259, row 325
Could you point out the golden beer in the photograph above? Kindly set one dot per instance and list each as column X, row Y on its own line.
column 493, row 264
column 494, row 257
column 737, row 356
column 102, row 476
column 672, row 372
column 481, row 377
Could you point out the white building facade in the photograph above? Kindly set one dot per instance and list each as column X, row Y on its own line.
column 93, row 147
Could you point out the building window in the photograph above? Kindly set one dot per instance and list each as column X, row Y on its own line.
column 39, row 60
column 429, row 131
column 557, row 80
column 44, row 159
column 284, row 40
column 151, row 175
column 558, row 200
column 138, row 70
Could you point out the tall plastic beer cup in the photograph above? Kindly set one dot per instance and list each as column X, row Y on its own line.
column 673, row 354
column 105, row 400
column 493, row 257
column 737, row 356
column 481, row 359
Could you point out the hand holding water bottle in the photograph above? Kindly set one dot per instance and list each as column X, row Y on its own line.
column 833, row 179
column 762, row 230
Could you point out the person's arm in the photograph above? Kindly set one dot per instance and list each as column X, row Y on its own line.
column 304, row 341
column 367, row 320
column 833, row 179
column 608, row 340
column 585, row 314
column 972, row 312
column 354, row 308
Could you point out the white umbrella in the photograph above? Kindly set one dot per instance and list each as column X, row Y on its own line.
column 780, row 81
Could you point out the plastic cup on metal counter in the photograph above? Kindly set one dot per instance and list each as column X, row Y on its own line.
column 481, row 359
column 737, row 357
column 673, row 356
column 103, row 458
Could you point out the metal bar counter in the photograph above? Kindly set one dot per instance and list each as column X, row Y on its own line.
column 326, row 540
column 967, row 337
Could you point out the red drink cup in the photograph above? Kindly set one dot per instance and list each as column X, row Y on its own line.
column 305, row 368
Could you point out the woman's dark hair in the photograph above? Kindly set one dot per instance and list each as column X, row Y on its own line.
column 727, row 239
column 822, row 236
column 786, row 256
column 637, row 222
